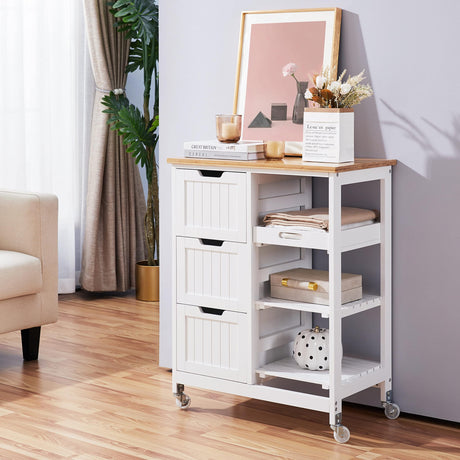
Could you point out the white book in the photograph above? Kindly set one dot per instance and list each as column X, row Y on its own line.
column 223, row 155
column 215, row 145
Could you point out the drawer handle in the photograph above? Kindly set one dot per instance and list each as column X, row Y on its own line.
column 207, row 173
column 290, row 236
column 208, row 242
column 212, row 311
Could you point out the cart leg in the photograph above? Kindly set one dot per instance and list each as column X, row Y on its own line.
column 385, row 388
column 341, row 432
column 392, row 410
column 182, row 400
column 335, row 413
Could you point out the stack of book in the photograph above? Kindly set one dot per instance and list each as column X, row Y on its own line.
column 242, row 150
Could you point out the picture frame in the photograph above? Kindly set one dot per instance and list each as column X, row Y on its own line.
column 269, row 40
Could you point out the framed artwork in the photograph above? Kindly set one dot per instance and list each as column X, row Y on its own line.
column 271, row 103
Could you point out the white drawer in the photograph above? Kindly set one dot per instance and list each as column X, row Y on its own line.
column 212, row 343
column 211, row 207
column 213, row 276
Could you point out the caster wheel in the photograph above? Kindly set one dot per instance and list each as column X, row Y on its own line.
column 341, row 434
column 392, row 411
column 183, row 402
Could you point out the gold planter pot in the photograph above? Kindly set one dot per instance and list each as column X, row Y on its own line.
column 147, row 282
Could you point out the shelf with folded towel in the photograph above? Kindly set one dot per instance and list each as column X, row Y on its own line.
column 367, row 302
column 351, row 238
column 318, row 218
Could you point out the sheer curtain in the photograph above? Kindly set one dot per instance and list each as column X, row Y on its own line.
column 46, row 91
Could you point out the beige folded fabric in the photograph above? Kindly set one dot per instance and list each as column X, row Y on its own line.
column 319, row 217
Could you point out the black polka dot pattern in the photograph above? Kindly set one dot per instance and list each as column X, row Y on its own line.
column 317, row 358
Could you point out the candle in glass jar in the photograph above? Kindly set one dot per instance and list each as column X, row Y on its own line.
column 229, row 131
column 228, row 128
column 274, row 150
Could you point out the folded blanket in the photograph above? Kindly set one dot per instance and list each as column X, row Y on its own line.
column 318, row 217
column 294, row 228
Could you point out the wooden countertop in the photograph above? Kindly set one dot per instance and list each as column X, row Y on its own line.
column 288, row 164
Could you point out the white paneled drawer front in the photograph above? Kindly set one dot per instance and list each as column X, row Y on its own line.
column 211, row 207
column 212, row 342
column 213, row 275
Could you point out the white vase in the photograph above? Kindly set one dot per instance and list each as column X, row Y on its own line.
column 311, row 349
column 328, row 135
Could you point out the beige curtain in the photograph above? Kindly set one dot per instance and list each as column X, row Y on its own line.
column 115, row 204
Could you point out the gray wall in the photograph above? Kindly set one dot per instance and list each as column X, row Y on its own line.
column 410, row 52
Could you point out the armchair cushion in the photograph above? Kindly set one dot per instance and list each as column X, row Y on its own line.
column 28, row 268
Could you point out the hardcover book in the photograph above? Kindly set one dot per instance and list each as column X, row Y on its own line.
column 216, row 146
column 223, row 155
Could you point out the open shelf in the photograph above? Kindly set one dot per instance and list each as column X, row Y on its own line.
column 287, row 368
column 352, row 238
column 367, row 302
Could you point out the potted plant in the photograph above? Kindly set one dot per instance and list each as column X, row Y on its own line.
column 139, row 130
column 329, row 128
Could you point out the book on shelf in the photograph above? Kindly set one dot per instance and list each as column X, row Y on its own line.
column 215, row 145
column 223, row 154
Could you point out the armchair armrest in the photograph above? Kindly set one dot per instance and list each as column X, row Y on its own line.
column 29, row 224
column 25, row 222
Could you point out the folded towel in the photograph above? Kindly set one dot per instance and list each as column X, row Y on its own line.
column 318, row 217
column 294, row 228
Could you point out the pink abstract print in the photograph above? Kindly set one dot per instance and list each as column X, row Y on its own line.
column 271, row 47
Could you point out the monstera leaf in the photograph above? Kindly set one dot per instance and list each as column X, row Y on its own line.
column 138, row 18
column 127, row 120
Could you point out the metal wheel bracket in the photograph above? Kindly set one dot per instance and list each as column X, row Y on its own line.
column 179, row 390
column 389, row 396
column 182, row 400
column 338, row 422
column 388, row 399
column 338, row 418
column 180, row 395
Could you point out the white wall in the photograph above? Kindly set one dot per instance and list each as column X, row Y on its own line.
column 410, row 52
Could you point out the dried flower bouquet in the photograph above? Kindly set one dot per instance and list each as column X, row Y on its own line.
column 336, row 94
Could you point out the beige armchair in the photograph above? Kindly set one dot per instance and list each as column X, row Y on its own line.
column 28, row 266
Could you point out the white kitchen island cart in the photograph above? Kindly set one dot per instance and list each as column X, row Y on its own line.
column 229, row 335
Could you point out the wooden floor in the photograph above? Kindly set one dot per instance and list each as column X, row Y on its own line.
column 97, row 393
